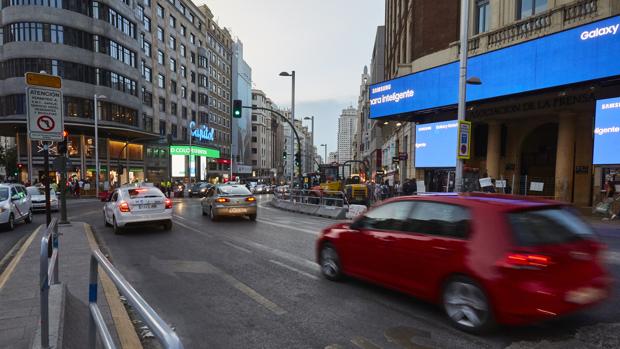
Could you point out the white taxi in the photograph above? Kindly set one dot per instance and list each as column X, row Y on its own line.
column 137, row 206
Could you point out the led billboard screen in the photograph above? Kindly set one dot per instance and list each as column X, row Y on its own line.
column 584, row 53
column 435, row 144
column 607, row 132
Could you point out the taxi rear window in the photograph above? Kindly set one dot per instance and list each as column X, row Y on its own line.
column 144, row 193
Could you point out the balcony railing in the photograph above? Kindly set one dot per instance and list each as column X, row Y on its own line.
column 580, row 10
column 520, row 30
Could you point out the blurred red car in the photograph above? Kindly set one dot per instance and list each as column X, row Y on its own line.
column 485, row 258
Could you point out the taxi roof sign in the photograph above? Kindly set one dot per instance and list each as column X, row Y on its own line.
column 43, row 80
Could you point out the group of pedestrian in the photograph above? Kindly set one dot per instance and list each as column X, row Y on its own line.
column 384, row 190
column 165, row 187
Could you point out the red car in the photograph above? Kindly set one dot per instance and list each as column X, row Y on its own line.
column 485, row 258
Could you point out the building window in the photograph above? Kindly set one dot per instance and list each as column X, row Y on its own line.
column 148, row 122
column 161, row 81
column 173, row 65
column 162, row 104
column 147, row 97
column 173, row 108
column 160, row 57
column 529, row 8
column 483, row 16
column 183, row 30
column 146, row 73
column 146, row 21
column 182, row 50
column 160, row 11
column 160, row 34
column 172, row 42
column 146, row 47
column 162, row 128
column 183, row 71
column 184, row 112
column 173, row 87
column 183, row 91
column 192, row 38
column 172, row 21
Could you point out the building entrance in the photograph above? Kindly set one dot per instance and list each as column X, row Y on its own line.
column 538, row 157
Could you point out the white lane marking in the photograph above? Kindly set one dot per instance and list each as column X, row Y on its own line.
column 307, row 231
column 248, row 291
column 294, row 269
column 612, row 257
column 237, row 247
column 285, row 255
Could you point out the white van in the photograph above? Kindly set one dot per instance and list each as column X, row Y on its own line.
column 15, row 205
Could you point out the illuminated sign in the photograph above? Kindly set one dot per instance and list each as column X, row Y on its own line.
column 436, row 144
column 202, row 133
column 607, row 132
column 195, row 151
column 584, row 53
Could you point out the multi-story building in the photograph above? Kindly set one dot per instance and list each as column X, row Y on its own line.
column 346, row 132
column 266, row 149
column 362, row 129
column 332, row 157
column 532, row 124
column 242, row 127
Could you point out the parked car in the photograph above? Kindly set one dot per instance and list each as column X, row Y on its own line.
column 486, row 258
column 259, row 189
column 15, row 205
column 199, row 189
column 37, row 196
column 137, row 206
column 229, row 200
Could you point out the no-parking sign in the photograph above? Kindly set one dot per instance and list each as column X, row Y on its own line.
column 44, row 103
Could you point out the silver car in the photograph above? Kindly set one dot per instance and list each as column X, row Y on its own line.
column 229, row 200
column 37, row 196
column 15, row 205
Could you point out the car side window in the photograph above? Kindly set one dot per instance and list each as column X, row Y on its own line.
column 21, row 191
column 14, row 194
column 440, row 219
column 114, row 197
column 390, row 216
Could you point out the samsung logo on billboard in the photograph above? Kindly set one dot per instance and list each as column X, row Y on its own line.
column 610, row 106
column 382, row 88
column 612, row 29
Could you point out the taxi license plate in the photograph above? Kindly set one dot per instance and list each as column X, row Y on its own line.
column 147, row 206
column 237, row 210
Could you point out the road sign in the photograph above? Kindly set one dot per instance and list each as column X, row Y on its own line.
column 45, row 121
column 464, row 140
column 43, row 80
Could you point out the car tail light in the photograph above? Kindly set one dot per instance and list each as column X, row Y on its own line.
column 124, row 206
column 250, row 199
column 221, row 200
column 168, row 203
column 519, row 260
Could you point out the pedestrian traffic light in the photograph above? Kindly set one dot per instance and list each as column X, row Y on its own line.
column 297, row 159
column 62, row 145
column 237, row 106
column 284, row 155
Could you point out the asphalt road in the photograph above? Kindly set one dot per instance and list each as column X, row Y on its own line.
column 242, row 284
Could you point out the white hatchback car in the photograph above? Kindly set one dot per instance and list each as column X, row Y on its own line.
column 37, row 196
column 135, row 206
column 15, row 205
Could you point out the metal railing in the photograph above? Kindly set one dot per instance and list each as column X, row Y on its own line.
column 315, row 197
column 48, row 275
column 160, row 328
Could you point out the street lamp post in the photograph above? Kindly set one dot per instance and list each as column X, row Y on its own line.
column 191, row 127
column 96, row 105
column 292, row 75
column 312, row 130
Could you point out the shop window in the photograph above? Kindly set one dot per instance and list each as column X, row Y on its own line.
column 136, row 152
column 73, row 146
column 527, row 8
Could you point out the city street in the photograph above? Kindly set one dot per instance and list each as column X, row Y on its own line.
column 241, row 284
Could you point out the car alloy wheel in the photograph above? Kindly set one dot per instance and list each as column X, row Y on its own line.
column 105, row 220
column 11, row 222
column 466, row 305
column 212, row 215
column 117, row 229
column 29, row 217
column 330, row 263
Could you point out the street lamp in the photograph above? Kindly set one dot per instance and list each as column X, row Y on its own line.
column 325, row 146
column 96, row 105
column 189, row 129
column 312, row 126
column 292, row 75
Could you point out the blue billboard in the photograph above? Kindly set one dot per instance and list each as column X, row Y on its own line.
column 435, row 144
column 584, row 53
column 607, row 132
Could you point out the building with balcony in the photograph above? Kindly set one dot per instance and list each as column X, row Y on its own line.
column 546, row 70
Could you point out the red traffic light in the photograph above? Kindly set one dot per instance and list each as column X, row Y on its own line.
column 20, row 165
column 65, row 133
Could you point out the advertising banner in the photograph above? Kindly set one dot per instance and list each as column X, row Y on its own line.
column 607, row 132
column 435, row 144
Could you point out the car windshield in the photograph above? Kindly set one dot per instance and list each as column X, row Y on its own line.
column 234, row 190
column 4, row 194
column 144, row 193
column 36, row 191
column 548, row 226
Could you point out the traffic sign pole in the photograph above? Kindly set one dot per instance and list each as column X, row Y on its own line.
column 46, row 178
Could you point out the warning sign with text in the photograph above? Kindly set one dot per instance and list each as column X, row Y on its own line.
column 45, row 121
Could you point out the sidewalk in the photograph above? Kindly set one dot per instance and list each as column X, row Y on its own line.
column 20, row 297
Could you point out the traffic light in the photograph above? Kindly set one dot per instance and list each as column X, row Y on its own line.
column 20, row 166
column 62, row 145
column 284, row 155
column 237, row 106
column 297, row 159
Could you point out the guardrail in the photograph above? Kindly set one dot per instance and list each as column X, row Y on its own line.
column 315, row 197
column 48, row 275
column 162, row 331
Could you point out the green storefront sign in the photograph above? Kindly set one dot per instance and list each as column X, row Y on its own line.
column 195, row 151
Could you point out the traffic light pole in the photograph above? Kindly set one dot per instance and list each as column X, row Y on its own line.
column 294, row 131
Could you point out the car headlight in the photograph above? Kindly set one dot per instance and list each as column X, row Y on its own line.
column 203, row 190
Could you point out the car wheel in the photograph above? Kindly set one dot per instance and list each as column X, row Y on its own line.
column 117, row 230
column 212, row 215
column 253, row 217
column 28, row 217
column 330, row 263
column 168, row 225
column 105, row 220
column 11, row 223
column 467, row 305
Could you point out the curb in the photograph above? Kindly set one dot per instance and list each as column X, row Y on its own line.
column 57, row 301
